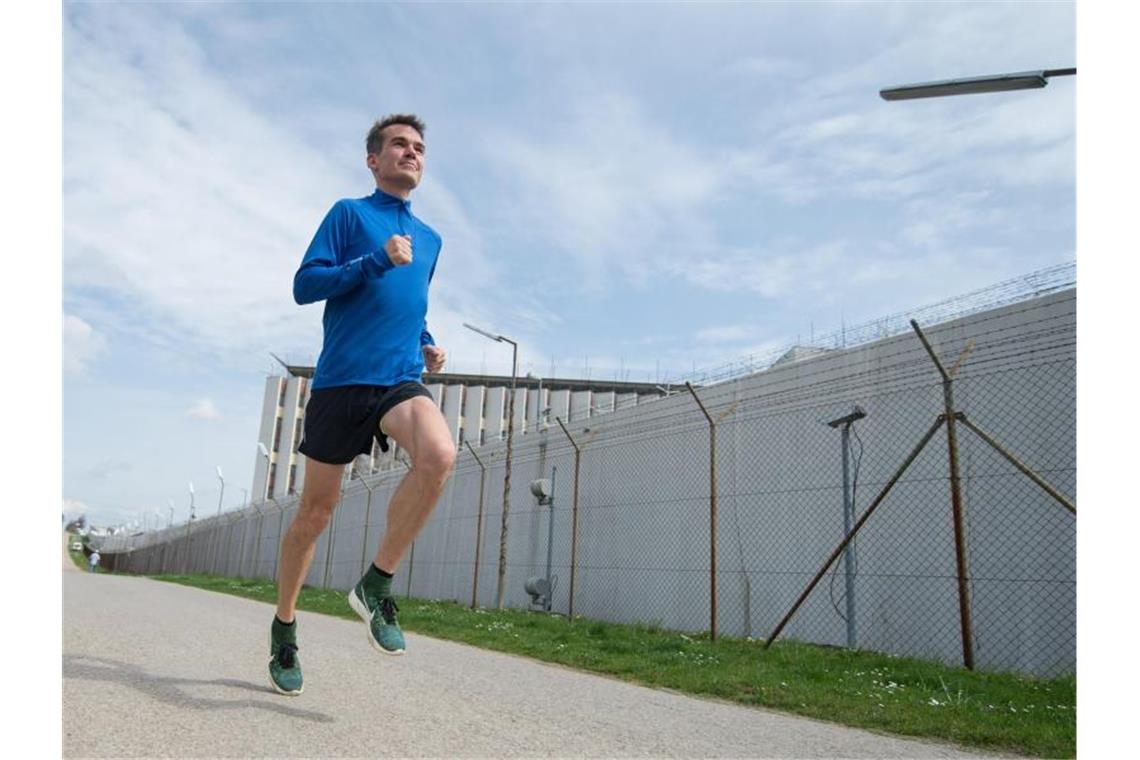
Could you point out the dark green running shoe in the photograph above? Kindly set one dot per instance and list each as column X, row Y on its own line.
column 380, row 615
column 284, row 666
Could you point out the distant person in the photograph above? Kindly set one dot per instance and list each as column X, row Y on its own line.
column 371, row 262
column 93, row 561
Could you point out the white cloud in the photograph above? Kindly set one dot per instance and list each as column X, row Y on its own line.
column 758, row 67
column 73, row 508
column 770, row 273
column 179, row 193
column 608, row 192
column 203, row 409
column 107, row 468
column 82, row 345
column 724, row 334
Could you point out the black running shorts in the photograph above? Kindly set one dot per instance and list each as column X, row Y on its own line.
column 341, row 422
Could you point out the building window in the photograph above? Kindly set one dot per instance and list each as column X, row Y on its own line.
column 281, row 385
column 277, row 434
column 461, row 436
column 304, row 387
column 272, row 478
column 482, row 437
column 298, row 431
column 292, row 479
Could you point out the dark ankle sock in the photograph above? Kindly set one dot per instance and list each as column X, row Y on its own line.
column 377, row 581
column 284, row 633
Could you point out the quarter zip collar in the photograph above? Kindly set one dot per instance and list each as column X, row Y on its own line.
column 382, row 198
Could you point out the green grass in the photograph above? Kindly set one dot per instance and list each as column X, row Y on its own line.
column 917, row 698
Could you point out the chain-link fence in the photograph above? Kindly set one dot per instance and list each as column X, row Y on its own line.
column 634, row 510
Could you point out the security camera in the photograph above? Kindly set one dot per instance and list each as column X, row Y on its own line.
column 540, row 488
column 857, row 413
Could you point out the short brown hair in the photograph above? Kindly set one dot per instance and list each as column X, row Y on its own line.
column 375, row 141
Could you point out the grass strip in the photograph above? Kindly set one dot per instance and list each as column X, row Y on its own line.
column 909, row 697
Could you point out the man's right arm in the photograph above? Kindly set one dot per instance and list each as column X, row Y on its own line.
column 322, row 274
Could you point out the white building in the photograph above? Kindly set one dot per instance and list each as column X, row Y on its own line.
column 474, row 406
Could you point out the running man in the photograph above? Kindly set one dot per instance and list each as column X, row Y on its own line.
column 371, row 262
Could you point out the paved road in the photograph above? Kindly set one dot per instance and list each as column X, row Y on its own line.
column 153, row 669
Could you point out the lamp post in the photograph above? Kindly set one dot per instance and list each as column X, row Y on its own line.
column 1022, row 80
column 265, row 453
column 222, row 490
column 844, row 425
column 507, row 476
column 189, row 534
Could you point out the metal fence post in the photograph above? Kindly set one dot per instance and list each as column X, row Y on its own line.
column 331, row 544
column 712, row 511
column 955, row 496
column 367, row 519
column 574, row 518
column 1057, row 495
column 280, row 535
column 478, row 525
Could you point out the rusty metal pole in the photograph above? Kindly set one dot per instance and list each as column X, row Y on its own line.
column 256, row 543
column 241, row 547
column 478, row 524
column 712, row 511
column 280, row 535
column 858, row 525
column 574, row 512
column 330, row 545
column 367, row 519
column 411, row 564
column 955, row 497
column 1057, row 495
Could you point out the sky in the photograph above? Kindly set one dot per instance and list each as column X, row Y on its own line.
column 631, row 191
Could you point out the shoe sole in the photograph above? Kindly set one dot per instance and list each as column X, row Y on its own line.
column 362, row 611
column 273, row 683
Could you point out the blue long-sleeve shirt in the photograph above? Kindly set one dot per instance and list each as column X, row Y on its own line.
column 375, row 319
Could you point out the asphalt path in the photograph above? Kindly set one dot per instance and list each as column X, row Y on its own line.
column 154, row 669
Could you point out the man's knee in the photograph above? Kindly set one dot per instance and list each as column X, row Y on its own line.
column 436, row 458
column 314, row 513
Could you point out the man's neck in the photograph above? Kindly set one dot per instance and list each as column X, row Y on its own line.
column 387, row 187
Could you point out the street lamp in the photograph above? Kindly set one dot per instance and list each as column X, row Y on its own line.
column 265, row 453
column 844, row 425
column 1023, row 80
column 222, row 490
column 510, row 436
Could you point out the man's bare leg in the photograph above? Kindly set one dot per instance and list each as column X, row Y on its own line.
column 419, row 428
column 318, row 499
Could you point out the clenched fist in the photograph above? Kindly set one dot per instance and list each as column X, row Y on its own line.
column 434, row 358
column 399, row 250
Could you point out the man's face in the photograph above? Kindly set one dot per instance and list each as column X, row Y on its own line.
column 400, row 161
